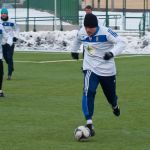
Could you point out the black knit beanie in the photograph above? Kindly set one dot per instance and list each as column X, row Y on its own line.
column 90, row 21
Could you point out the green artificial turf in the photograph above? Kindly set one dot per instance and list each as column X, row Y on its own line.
column 42, row 106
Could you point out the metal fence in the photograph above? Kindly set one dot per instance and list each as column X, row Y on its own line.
column 67, row 10
column 63, row 10
column 141, row 7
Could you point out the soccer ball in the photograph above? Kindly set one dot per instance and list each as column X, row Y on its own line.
column 81, row 133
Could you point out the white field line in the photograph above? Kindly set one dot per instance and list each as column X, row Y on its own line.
column 137, row 55
column 71, row 60
column 42, row 62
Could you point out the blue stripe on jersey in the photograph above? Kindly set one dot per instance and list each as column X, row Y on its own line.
column 102, row 38
column 1, row 31
column 112, row 32
column 99, row 38
column 8, row 24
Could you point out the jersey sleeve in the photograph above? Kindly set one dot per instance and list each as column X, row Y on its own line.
column 76, row 43
column 16, row 30
column 4, row 34
column 119, row 43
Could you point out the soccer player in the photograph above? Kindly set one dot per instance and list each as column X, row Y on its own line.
column 101, row 44
column 88, row 9
column 12, row 31
column 2, row 35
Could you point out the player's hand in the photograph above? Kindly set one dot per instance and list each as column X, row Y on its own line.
column 75, row 55
column 15, row 39
column 108, row 55
column 8, row 46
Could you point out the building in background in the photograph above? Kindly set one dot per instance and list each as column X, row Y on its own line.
column 117, row 5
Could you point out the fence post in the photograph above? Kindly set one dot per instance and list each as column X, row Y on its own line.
column 15, row 10
column 140, row 30
column 53, row 24
column 60, row 15
column 55, row 12
column 144, row 18
column 116, row 22
column 124, row 15
column 99, row 4
column 107, row 17
column 34, row 26
column 27, row 20
column 26, row 24
column 61, row 26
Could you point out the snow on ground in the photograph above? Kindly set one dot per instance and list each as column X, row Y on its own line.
column 136, row 45
column 61, row 41
column 46, row 40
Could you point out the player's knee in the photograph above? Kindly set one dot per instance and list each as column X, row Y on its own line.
column 91, row 93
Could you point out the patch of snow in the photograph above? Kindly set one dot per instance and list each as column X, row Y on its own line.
column 61, row 41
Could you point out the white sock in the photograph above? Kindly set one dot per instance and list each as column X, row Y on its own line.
column 89, row 121
column 115, row 107
column 1, row 91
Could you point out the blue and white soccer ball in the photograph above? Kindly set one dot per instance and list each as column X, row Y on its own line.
column 81, row 133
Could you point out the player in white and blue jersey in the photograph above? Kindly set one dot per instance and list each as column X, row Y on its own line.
column 101, row 44
column 12, row 31
column 2, row 36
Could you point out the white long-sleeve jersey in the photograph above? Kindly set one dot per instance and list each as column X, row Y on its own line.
column 104, row 40
column 2, row 35
column 11, row 29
